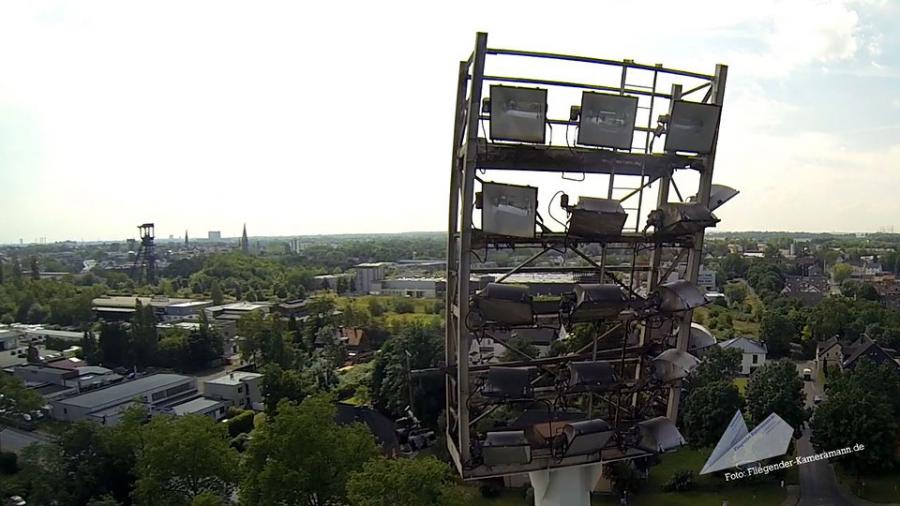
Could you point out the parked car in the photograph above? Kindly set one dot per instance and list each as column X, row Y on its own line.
column 817, row 399
column 16, row 500
column 807, row 374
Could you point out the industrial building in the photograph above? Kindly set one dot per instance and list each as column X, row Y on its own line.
column 107, row 404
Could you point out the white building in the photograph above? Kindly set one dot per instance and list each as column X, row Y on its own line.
column 240, row 389
column 367, row 274
column 106, row 405
column 706, row 278
column 753, row 353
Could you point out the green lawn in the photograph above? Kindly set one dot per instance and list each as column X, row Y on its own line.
column 741, row 383
column 880, row 488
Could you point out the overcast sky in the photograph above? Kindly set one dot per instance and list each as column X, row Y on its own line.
column 335, row 117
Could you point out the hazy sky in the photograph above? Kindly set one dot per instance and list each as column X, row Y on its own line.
column 335, row 117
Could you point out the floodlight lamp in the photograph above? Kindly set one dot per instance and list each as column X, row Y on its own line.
column 718, row 195
column 607, row 120
column 597, row 302
column 678, row 296
column 673, row 365
column 596, row 217
column 586, row 437
column 700, row 338
column 692, row 127
column 681, row 218
column 506, row 448
column 591, row 376
column 518, row 114
column 504, row 304
column 659, row 435
column 509, row 383
column 508, row 209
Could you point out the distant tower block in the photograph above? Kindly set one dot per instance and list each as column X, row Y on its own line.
column 214, row 235
column 186, row 238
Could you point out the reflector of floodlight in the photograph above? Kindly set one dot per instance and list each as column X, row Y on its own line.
column 682, row 218
column 505, row 304
column 659, row 435
column 506, row 383
column 506, row 447
column 673, row 365
column 692, row 127
column 518, row 114
column 595, row 302
column 593, row 216
column 591, row 375
column 589, row 436
column 700, row 339
column 681, row 295
column 508, row 209
column 718, row 195
column 607, row 120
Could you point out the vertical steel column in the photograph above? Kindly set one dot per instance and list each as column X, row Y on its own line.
column 465, row 245
column 450, row 331
column 696, row 253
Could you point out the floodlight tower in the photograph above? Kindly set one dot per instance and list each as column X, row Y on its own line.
column 617, row 397
column 145, row 262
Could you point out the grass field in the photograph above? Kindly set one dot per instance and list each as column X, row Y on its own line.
column 741, row 383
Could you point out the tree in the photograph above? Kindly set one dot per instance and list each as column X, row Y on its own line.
column 841, row 272
column 302, row 456
column 708, row 410
column 862, row 407
column 734, row 266
column 776, row 387
column 144, row 340
column 183, row 457
column 777, row 331
column 115, row 344
column 216, row 293
column 282, row 384
column 518, row 349
column 16, row 400
column 391, row 373
column 404, row 482
column 736, row 292
column 718, row 365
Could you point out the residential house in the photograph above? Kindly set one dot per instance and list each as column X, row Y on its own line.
column 809, row 290
column 829, row 353
column 868, row 349
column 240, row 388
column 753, row 353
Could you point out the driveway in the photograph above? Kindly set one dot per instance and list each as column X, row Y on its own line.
column 818, row 484
column 15, row 440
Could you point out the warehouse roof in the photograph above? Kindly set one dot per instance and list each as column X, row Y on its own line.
column 122, row 391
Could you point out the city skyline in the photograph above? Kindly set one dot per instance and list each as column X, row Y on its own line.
column 206, row 116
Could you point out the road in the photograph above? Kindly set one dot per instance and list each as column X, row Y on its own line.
column 14, row 440
column 818, row 484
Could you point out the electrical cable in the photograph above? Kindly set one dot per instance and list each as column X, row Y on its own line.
column 550, row 211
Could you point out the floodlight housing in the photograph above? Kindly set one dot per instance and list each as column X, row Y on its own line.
column 659, row 435
column 692, row 127
column 594, row 216
column 597, row 302
column 700, row 338
column 591, row 375
column 508, row 209
column 506, row 448
column 504, row 304
column 718, row 195
column 607, row 120
column 508, row 383
column 682, row 218
column 673, row 365
column 518, row 114
column 678, row 296
column 589, row 436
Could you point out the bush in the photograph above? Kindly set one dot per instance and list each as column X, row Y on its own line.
column 404, row 306
column 241, row 423
column 491, row 489
column 8, row 463
column 681, row 481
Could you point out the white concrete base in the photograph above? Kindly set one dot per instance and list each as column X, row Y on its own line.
column 570, row 486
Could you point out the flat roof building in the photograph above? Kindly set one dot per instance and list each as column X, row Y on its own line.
column 106, row 404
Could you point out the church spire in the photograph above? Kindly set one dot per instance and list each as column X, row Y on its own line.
column 245, row 244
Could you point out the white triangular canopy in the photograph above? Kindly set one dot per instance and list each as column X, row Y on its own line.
column 768, row 439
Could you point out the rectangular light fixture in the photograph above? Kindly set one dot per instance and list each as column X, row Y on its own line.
column 672, row 365
column 590, row 376
column 518, row 114
column 507, row 383
column 508, row 209
column 692, row 127
column 504, row 304
column 718, row 195
column 589, row 436
column 597, row 302
column 506, row 448
column 679, row 296
column 596, row 217
column 659, row 435
column 607, row 120
column 683, row 218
